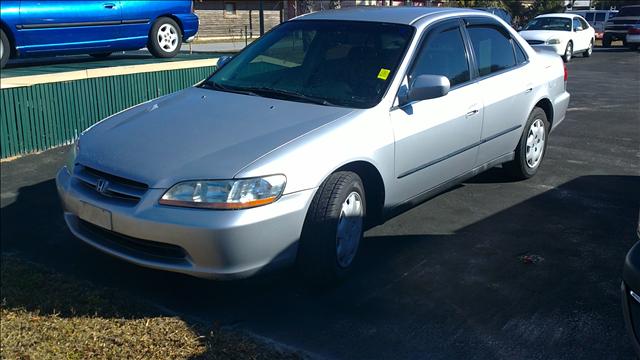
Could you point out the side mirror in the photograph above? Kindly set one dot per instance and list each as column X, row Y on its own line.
column 579, row 28
column 223, row 60
column 520, row 28
column 426, row 87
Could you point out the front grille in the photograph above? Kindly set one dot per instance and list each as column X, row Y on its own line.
column 535, row 42
column 112, row 186
column 144, row 249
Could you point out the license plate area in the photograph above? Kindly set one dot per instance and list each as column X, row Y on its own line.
column 95, row 215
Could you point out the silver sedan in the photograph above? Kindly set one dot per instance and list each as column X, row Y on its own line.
column 329, row 124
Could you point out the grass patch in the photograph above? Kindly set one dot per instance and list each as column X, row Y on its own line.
column 46, row 315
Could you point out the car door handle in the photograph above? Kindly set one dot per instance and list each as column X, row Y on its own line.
column 528, row 90
column 109, row 6
column 473, row 112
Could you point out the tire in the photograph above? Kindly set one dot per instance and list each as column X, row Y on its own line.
column 330, row 238
column 634, row 47
column 606, row 41
column 531, row 148
column 165, row 38
column 100, row 55
column 568, row 52
column 587, row 53
column 5, row 49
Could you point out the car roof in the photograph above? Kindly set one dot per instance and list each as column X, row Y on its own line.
column 578, row 12
column 560, row 15
column 399, row 15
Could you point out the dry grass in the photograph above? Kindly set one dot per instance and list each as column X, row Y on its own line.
column 45, row 315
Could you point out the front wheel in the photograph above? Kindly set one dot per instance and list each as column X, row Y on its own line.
column 531, row 148
column 568, row 52
column 165, row 38
column 5, row 49
column 589, row 50
column 333, row 229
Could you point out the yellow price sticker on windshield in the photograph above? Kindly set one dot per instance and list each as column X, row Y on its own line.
column 384, row 74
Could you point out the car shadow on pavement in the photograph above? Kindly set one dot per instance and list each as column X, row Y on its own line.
column 540, row 277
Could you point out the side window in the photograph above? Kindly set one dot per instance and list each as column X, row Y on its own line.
column 444, row 54
column 584, row 24
column 493, row 49
column 577, row 26
column 520, row 55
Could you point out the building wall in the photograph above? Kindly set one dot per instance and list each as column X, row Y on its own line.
column 217, row 23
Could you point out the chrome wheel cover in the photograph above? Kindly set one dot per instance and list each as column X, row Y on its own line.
column 568, row 52
column 535, row 143
column 168, row 38
column 349, row 229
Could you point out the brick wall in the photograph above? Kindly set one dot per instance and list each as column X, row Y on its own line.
column 215, row 22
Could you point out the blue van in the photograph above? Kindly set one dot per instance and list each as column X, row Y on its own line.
column 96, row 27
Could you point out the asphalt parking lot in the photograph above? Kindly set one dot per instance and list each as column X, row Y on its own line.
column 489, row 270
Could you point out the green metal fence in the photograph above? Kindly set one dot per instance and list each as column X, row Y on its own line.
column 40, row 117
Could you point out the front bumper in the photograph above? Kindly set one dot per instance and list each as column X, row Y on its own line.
column 198, row 242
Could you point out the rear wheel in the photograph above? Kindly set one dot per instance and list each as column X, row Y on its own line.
column 589, row 50
column 568, row 52
column 5, row 49
column 531, row 148
column 165, row 38
column 606, row 41
column 100, row 55
column 333, row 229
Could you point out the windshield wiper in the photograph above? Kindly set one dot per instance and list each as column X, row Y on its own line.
column 289, row 95
column 216, row 86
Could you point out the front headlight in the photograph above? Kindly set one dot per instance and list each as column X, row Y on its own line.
column 226, row 194
column 70, row 161
column 553, row 41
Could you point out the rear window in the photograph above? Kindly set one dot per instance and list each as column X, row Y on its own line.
column 600, row 16
column 589, row 16
column 629, row 11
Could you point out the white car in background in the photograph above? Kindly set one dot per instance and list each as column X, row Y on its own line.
column 567, row 34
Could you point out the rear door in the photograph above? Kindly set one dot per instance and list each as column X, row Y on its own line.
column 139, row 15
column 437, row 139
column 68, row 26
column 505, row 84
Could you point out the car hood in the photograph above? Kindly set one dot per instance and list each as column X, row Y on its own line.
column 543, row 35
column 197, row 134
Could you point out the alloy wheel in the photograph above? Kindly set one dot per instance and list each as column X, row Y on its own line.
column 535, row 143
column 168, row 38
column 349, row 229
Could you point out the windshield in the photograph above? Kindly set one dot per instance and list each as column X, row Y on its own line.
column 549, row 23
column 343, row 63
